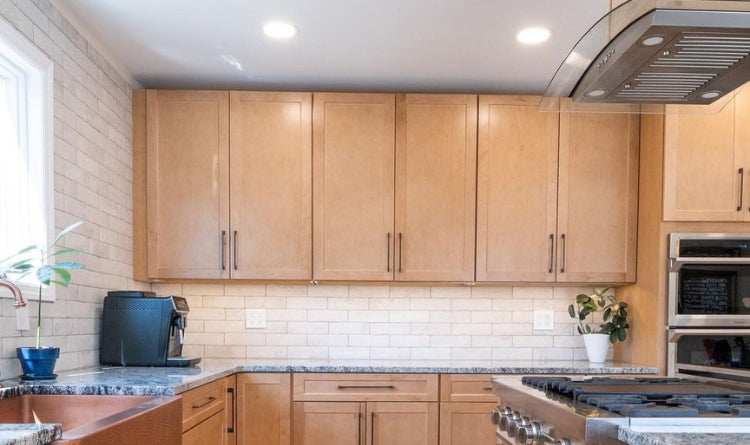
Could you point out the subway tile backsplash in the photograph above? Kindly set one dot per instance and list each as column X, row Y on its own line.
column 378, row 322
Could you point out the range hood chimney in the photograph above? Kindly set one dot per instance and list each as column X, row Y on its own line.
column 659, row 52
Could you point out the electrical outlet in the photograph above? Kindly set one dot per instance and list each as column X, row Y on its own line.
column 255, row 318
column 544, row 320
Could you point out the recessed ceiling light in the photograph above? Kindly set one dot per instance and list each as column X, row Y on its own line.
column 711, row 94
column 280, row 30
column 652, row 41
column 533, row 36
column 596, row 93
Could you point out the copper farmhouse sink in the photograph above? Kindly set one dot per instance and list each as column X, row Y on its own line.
column 110, row 420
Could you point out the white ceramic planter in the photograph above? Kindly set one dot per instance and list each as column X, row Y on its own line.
column 597, row 346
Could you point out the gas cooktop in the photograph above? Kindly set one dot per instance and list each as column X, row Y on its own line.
column 567, row 411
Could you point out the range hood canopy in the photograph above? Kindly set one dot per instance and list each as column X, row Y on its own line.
column 648, row 52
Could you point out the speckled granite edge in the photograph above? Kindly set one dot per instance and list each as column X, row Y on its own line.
column 631, row 437
column 414, row 369
column 29, row 434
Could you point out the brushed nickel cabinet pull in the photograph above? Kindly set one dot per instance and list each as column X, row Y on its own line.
column 234, row 259
column 223, row 253
column 230, row 429
column 742, row 187
column 400, row 244
column 562, row 268
column 388, row 252
column 210, row 399
column 366, row 387
column 551, row 252
column 487, row 388
column 359, row 427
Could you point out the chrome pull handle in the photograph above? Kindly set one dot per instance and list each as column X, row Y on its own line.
column 388, row 252
column 223, row 252
column 562, row 267
column 400, row 245
column 234, row 248
column 742, row 187
column 551, row 252
column 230, row 429
column 210, row 399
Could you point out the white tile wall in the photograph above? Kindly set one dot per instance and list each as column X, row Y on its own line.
column 93, row 181
column 378, row 322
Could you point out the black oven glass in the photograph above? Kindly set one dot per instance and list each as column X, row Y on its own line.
column 714, row 350
column 714, row 248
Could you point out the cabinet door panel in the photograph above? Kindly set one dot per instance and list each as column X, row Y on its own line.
column 187, row 150
column 597, row 197
column 435, row 187
column 516, row 190
column 328, row 423
column 701, row 167
column 353, row 162
column 210, row 431
column 466, row 424
column 402, row 423
column 271, row 208
column 263, row 409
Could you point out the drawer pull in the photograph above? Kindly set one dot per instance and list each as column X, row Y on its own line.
column 366, row 387
column 210, row 399
column 487, row 388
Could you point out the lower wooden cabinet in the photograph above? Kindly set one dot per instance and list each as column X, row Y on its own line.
column 365, row 423
column 203, row 414
column 466, row 424
column 263, row 409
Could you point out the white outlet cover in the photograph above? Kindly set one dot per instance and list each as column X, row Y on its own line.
column 544, row 320
column 255, row 318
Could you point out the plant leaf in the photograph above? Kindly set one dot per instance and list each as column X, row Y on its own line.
column 44, row 274
column 63, row 274
column 572, row 311
column 68, row 265
column 65, row 252
column 64, row 231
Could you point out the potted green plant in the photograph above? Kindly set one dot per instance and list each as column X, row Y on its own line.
column 38, row 362
column 614, row 324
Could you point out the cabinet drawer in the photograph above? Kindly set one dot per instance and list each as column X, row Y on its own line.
column 365, row 387
column 466, row 388
column 202, row 402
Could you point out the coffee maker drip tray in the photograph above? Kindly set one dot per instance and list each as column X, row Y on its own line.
column 182, row 361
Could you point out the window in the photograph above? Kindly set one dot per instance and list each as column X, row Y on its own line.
column 26, row 194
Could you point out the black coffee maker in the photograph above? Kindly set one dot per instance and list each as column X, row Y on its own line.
column 141, row 329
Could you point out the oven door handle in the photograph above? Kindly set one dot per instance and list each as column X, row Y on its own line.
column 675, row 334
column 676, row 264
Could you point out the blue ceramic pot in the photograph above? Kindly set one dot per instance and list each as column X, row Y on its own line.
column 38, row 363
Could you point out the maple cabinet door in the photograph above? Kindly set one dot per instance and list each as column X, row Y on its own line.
column 353, row 168
column 187, row 175
column 402, row 423
column 263, row 409
column 516, row 190
column 435, row 187
column 328, row 423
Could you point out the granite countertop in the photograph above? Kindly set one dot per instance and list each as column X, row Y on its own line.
column 632, row 437
column 110, row 380
column 29, row 434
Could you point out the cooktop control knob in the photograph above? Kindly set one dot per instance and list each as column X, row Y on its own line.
column 529, row 434
column 499, row 413
column 514, row 424
column 508, row 417
column 562, row 442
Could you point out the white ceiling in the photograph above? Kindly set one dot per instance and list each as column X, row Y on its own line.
column 343, row 45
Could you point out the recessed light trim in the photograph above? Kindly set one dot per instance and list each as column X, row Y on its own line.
column 280, row 30
column 652, row 41
column 596, row 93
column 533, row 35
column 711, row 94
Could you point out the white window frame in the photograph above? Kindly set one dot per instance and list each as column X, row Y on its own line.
column 39, row 81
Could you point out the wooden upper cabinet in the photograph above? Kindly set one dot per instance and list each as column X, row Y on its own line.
column 271, row 185
column 353, row 190
column 516, row 190
column 435, row 187
column 597, row 197
column 187, row 175
column 703, row 155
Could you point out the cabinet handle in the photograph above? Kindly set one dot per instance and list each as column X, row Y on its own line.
column 372, row 428
column 366, row 387
column 487, row 388
column 223, row 242
column 210, row 399
column 388, row 252
column 400, row 244
column 234, row 247
column 230, row 429
column 742, row 188
column 562, row 239
column 551, row 252
column 359, row 427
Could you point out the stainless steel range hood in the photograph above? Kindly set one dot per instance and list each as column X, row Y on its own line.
column 648, row 52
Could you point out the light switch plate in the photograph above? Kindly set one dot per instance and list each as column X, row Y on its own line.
column 544, row 320
column 255, row 318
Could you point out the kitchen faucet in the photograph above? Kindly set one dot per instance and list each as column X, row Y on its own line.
column 19, row 303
